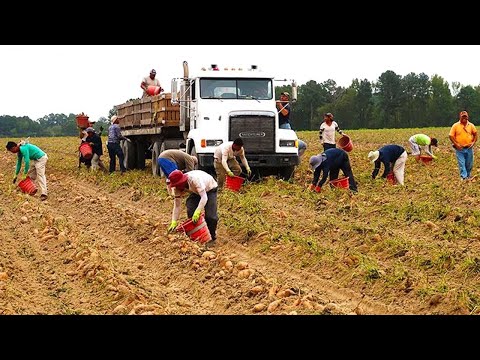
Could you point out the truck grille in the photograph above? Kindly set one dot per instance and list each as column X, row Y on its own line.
column 257, row 133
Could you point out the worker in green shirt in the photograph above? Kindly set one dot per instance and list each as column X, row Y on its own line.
column 421, row 142
column 35, row 162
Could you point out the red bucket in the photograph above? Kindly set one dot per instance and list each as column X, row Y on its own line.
column 345, row 143
column 28, row 186
column 391, row 178
column 196, row 232
column 234, row 182
column 426, row 159
column 82, row 121
column 86, row 150
column 341, row 183
column 153, row 90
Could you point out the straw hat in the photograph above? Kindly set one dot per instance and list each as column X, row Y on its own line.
column 316, row 161
column 114, row 118
column 373, row 156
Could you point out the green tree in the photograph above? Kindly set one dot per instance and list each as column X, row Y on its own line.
column 363, row 105
column 440, row 108
column 390, row 96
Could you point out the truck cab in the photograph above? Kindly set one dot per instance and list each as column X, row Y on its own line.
column 218, row 105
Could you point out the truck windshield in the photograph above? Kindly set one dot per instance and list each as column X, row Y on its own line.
column 228, row 88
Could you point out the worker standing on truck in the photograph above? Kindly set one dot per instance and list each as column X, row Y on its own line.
column 33, row 153
column 113, row 145
column 203, row 188
column 174, row 159
column 150, row 81
column 225, row 162
column 283, row 107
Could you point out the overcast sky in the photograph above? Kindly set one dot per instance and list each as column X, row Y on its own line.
column 37, row 80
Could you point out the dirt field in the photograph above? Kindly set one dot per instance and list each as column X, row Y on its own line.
column 98, row 245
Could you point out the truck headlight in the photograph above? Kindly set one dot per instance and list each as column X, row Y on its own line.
column 214, row 142
column 287, row 143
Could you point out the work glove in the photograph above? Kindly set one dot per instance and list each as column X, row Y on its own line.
column 24, row 176
column 249, row 171
column 129, row 140
column 173, row 226
column 15, row 179
column 318, row 189
column 229, row 173
column 311, row 187
column 196, row 216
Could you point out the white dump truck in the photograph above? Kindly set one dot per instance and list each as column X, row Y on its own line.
column 216, row 105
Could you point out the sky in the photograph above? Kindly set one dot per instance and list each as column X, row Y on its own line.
column 38, row 80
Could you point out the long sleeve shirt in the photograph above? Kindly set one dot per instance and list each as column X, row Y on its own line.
column 114, row 134
column 199, row 182
column 388, row 155
column 333, row 159
column 27, row 152
column 97, row 144
column 225, row 152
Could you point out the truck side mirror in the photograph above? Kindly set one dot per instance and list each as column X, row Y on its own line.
column 294, row 92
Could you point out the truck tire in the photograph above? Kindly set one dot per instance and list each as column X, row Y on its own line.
column 208, row 170
column 129, row 150
column 141, row 147
column 156, row 150
column 285, row 173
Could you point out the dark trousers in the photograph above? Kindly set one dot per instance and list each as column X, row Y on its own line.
column 211, row 215
column 347, row 171
column 328, row 146
column 114, row 149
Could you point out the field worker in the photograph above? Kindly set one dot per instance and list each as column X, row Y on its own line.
column 113, row 146
column 95, row 142
column 331, row 162
column 327, row 132
column 422, row 141
column 302, row 147
column 225, row 162
column 392, row 156
column 150, row 81
column 463, row 136
column 203, row 189
column 31, row 153
column 174, row 159
column 283, row 107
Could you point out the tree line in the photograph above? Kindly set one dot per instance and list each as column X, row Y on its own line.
column 49, row 125
column 393, row 101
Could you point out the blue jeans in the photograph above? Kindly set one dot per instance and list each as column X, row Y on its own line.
column 286, row 126
column 167, row 166
column 465, row 162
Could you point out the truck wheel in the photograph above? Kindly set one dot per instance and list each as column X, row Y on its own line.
column 129, row 150
column 156, row 150
column 194, row 153
column 285, row 173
